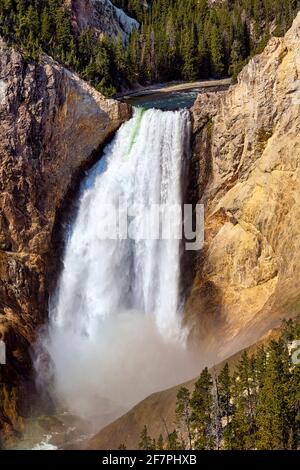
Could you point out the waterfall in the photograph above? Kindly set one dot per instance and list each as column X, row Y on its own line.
column 115, row 323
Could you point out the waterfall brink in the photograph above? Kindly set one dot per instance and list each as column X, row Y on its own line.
column 115, row 331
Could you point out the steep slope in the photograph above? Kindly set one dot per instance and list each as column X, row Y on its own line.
column 103, row 17
column 157, row 412
column 247, row 148
column 52, row 126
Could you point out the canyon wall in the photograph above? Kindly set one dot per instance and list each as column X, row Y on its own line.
column 102, row 17
column 247, row 147
column 52, row 127
column 246, row 152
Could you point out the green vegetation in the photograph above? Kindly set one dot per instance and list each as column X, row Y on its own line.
column 188, row 39
column 177, row 40
column 257, row 406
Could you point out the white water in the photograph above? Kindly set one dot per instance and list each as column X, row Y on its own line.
column 115, row 332
column 125, row 22
column 45, row 444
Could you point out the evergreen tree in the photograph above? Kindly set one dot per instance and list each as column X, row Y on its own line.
column 224, row 381
column 45, row 27
column 189, row 68
column 242, row 429
column 201, row 418
column 183, row 417
column 173, row 441
column 203, row 55
column 177, row 39
column 258, row 407
column 216, row 425
column 160, row 443
column 146, row 442
column 272, row 407
column 217, row 64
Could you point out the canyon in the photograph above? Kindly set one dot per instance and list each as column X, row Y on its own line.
column 245, row 158
column 52, row 128
column 246, row 155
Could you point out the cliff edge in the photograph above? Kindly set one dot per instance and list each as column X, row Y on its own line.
column 52, row 127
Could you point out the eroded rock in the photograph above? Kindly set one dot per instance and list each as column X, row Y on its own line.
column 247, row 142
column 52, row 126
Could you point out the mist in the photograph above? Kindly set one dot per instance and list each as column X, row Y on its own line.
column 126, row 360
column 115, row 333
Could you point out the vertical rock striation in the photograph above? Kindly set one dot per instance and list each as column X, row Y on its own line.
column 102, row 17
column 52, row 126
column 247, row 145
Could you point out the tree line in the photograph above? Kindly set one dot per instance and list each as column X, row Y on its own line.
column 190, row 39
column 254, row 407
column 177, row 39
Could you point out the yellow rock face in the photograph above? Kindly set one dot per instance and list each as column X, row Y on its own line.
column 248, row 276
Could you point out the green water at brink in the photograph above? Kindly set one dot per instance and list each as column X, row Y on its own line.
column 135, row 130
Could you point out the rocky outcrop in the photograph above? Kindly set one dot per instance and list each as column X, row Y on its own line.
column 103, row 17
column 247, row 145
column 52, row 126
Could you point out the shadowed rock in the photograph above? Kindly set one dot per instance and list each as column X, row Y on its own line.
column 52, row 126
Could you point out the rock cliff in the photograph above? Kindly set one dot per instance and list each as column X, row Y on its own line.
column 52, row 126
column 247, row 147
column 103, row 17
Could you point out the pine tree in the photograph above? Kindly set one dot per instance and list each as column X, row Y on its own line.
column 173, row 441
column 120, row 56
column 236, row 61
column 160, row 443
column 189, row 69
column 183, row 417
column 216, row 52
column 272, row 406
column 146, row 442
column 86, row 47
column 256, row 408
column 201, row 419
column 133, row 57
column 178, row 39
column 216, row 425
column 224, row 381
column 45, row 27
column 240, row 433
column 203, row 55
column 260, row 368
column 21, row 23
column 32, row 18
